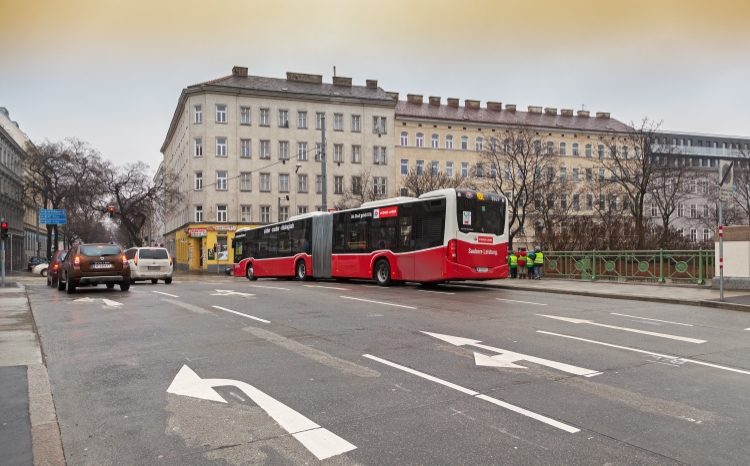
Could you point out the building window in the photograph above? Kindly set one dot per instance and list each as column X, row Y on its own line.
column 378, row 125
column 265, row 214
column 338, row 122
column 221, row 114
column 221, row 213
column 265, row 149
column 301, row 209
column 338, row 185
column 693, row 235
column 319, row 184
column 563, row 177
column 356, row 184
column 681, row 210
column 246, row 183
column 265, row 117
column 589, row 175
column 602, row 202
column 404, row 192
column 404, row 167
column 379, row 184
column 449, row 142
column 464, row 169
column 245, row 148
column 435, row 141
column 420, row 167
column 600, row 150
column 576, row 175
column 244, row 115
column 449, row 169
column 624, row 152
column 356, row 123
column 706, row 234
column 356, row 154
column 283, row 213
column 283, row 119
column 563, row 149
column 301, row 151
column 284, row 183
column 338, row 153
column 550, row 147
column 479, row 170
column 221, row 181
column 589, row 202
column 246, row 213
column 654, row 210
column 705, row 210
column 198, row 181
column 265, row 182
column 319, row 117
column 576, row 202
column 435, row 167
column 318, row 152
column 221, row 147
column 588, row 150
column 563, row 201
column 464, row 143
column 198, row 114
column 575, row 149
column 301, row 183
column 404, row 138
column 693, row 211
column 602, row 175
column 613, row 203
column 198, row 147
column 479, row 144
column 283, row 150
column 199, row 213
column 379, row 155
column 420, row 140
column 302, row 120
column 493, row 171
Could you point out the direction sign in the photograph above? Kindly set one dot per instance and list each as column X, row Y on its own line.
column 53, row 217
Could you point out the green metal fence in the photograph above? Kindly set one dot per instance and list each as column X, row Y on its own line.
column 657, row 265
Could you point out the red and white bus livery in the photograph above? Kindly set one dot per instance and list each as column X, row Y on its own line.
column 444, row 235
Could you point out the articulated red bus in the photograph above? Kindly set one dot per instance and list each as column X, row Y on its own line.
column 444, row 235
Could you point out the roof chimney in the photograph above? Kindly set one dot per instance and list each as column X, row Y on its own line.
column 304, row 78
column 239, row 71
column 341, row 81
column 550, row 111
column 602, row 115
column 434, row 100
column 583, row 113
column 372, row 83
column 566, row 112
column 495, row 106
column 510, row 107
column 393, row 95
column 452, row 102
column 471, row 103
column 535, row 109
column 414, row 98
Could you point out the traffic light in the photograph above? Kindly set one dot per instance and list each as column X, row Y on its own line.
column 4, row 228
column 111, row 212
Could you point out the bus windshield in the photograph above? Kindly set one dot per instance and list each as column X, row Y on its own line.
column 480, row 212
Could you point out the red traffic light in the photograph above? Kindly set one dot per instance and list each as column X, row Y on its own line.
column 111, row 211
column 4, row 225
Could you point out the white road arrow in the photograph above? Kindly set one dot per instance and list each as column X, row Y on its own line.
column 508, row 358
column 107, row 302
column 645, row 332
column 230, row 292
column 321, row 442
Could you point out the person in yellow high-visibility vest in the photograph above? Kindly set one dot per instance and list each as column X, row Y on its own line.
column 513, row 263
column 538, row 263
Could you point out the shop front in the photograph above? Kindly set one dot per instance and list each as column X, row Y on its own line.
column 204, row 246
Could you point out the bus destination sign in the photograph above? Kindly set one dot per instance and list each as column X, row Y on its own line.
column 385, row 212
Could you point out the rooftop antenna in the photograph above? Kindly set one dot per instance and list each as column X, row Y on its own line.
column 334, row 71
column 583, row 107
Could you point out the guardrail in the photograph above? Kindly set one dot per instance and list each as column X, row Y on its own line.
column 655, row 265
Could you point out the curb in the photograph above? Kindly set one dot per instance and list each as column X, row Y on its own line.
column 593, row 294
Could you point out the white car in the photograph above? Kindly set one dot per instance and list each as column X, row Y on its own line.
column 150, row 264
column 41, row 269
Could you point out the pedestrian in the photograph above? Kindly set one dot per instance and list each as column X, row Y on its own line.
column 513, row 263
column 521, row 264
column 530, row 256
column 538, row 263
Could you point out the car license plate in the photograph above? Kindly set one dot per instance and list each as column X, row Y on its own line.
column 150, row 267
column 102, row 265
column 482, row 269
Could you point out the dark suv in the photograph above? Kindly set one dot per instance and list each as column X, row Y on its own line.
column 92, row 264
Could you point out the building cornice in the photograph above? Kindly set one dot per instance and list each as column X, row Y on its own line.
column 489, row 125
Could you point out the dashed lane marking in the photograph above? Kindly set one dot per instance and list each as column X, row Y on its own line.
column 655, row 320
column 377, row 302
column 626, row 329
column 329, row 287
column 166, row 294
column 438, row 292
column 243, row 315
column 269, row 287
column 524, row 302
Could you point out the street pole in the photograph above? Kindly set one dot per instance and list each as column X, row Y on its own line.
column 11, row 253
column 278, row 210
column 323, row 161
column 721, row 253
column 2, row 259
column 38, row 248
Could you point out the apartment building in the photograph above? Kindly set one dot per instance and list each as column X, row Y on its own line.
column 12, row 156
column 247, row 150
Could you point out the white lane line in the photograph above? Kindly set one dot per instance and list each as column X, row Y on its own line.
column 438, row 292
column 666, row 356
column 243, row 315
column 377, row 302
column 655, row 320
column 495, row 401
column 524, row 302
column 269, row 287
column 329, row 287
column 644, row 332
column 747, row 329
column 166, row 294
column 111, row 303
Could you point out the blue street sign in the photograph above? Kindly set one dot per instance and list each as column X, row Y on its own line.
column 53, row 217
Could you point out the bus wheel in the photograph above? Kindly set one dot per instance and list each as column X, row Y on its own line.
column 249, row 273
column 383, row 273
column 301, row 270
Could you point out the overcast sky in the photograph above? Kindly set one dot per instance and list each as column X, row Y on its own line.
column 110, row 71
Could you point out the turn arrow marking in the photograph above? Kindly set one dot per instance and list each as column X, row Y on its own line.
column 321, row 442
column 655, row 334
column 107, row 302
column 230, row 292
column 508, row 358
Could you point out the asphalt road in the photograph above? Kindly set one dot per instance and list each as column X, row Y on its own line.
column 345, row 371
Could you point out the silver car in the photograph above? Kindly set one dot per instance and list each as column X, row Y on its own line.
column 150, row 264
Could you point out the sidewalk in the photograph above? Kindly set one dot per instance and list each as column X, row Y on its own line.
column 692, row 295
column 29, row 432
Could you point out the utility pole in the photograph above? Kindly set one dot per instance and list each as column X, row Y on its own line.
column 2, row 258
column 38, row 247
column 323, row 161
column 723, row 176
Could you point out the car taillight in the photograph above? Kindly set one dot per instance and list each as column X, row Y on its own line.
column 170, row 261
column 452, row 250
column 56, row 266
column 124, row 260
column 135, row 260
column 77, row 261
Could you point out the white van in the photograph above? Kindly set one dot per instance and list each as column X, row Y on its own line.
column 150, row 264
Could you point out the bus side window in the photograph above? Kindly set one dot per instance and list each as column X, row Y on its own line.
column 339, row 233
column 383, row 233
column 429, row 223
column 405, row 240
column 358, row 240
column 252, row 248
column 285, row 244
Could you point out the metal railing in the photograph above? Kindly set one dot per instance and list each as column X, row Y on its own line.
column 655, row 265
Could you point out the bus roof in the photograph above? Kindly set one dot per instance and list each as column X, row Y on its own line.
column 384, row 202
column 307, row 215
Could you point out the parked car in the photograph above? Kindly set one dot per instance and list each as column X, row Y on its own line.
column 40, row 269
column 36, row 260
column 55, row 266
column 150, row 264
column 92, row 264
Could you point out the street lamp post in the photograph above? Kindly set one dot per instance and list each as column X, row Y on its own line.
column 299, row 165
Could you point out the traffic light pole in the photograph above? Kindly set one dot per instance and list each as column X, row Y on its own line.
column 2, row 257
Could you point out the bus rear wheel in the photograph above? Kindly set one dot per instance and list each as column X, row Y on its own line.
column 383, row 273
column 301, row 271
column 249, row 273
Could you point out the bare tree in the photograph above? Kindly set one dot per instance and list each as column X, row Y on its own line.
column 673, row 181
column 362, row 189
column 742, row 179
column 426, row 180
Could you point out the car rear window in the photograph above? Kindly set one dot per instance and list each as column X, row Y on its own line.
column 92, row 250
column 62, row 256
column 153, row 253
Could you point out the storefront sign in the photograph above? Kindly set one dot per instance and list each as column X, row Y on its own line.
column 197, row 232
column 222, row 227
